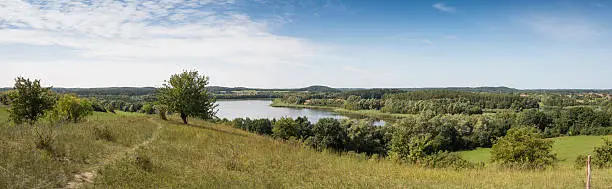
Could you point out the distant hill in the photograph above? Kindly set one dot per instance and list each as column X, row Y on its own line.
column 132, row 91
column 319, row 88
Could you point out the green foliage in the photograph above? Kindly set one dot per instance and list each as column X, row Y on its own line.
column 523, row 148
column 4, row 98
column 602, row 156
column 285, row 128
column 148, row 108
column 416, row 138
column 364, row 137
column 535, row 118
column 161, row 111
column 29, row 101
column 259, row 126
column 72, row 108
column 110, row 109
column 448, row 160
column 186, row 94
column 329, row 133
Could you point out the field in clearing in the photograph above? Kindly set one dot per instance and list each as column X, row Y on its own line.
column 146, row 152
column 567, row 149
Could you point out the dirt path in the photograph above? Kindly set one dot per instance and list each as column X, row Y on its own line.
column 89, row 175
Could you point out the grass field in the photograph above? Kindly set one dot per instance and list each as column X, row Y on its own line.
column 567, row 148
column 151, row 153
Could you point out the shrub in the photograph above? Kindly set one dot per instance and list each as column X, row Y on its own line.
column 261, row 126
column 365, row 137
column 110, row 108
column 45, row 137
column 148, row 108
column 72, row 108
column 161, row 111
column 329, row 133
column 285, row 128
column 103, row 133
column 603, row 155
column 416, row 138
column 523, row 147
column 144, row 162
column 448, row 160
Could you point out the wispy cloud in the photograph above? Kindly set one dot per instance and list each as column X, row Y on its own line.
column 355, row 69
column 451, row 37
column 149, row 30
column 563, row 27
column 443, row 7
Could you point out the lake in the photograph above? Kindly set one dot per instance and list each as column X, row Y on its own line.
column 257, row 109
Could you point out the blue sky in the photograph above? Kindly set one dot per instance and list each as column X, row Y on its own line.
column 296, row 43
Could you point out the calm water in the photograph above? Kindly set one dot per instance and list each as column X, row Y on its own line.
column 256, row 109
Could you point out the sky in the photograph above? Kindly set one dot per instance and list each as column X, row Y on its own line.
column 522, row 44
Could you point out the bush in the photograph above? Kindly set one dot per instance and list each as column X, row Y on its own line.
column 144, row 162
column 161, row 111
column 523, row 147
column 103, row 133
column 261, row 126
column 285, row 128
column 603, row 155
column 45, row 137
column 448, row 160
column 110, row 108
column 365, row 137
column 416, row 138
column 329, row 133
column 148, row 108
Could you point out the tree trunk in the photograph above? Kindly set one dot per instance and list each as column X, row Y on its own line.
column 184, row 117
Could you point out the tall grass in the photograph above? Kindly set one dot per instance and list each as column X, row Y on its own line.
column 206, row 155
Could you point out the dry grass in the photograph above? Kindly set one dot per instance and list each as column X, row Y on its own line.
column 216, row 156
column 206, row 155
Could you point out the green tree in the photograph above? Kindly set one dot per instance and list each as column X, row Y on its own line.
column 603, row 154
column 186, row 94
column 329, row 133
column 523, row 147
column 72, row 108
column 29, row 101
column 148, row 108
column 285, row 128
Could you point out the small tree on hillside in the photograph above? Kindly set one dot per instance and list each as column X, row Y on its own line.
column 523, row 148
column 29, row 101
column 186, row 94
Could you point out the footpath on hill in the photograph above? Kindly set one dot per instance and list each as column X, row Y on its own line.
column 87, row 176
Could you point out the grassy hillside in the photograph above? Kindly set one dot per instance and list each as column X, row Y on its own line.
column 150, row 153
column 566, row 148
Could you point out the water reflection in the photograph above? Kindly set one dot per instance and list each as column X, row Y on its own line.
column 257, row 109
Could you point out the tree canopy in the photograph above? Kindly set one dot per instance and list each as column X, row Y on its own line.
column 186, row 93
column 29, row 101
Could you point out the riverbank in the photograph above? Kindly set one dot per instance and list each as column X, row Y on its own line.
column 349, row 113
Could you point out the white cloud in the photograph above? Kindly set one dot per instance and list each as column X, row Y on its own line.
column 443, row 7
column 138, row 32
column 564, row 28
